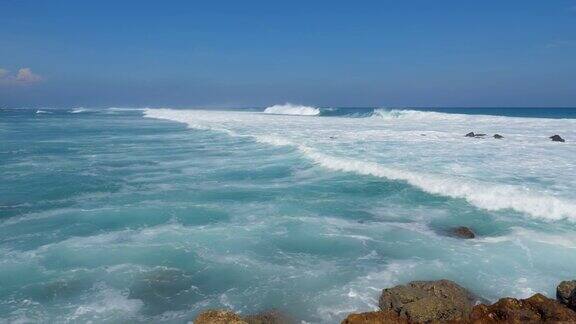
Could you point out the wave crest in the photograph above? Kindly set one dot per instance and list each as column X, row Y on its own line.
column 414, row 114
column 290, row 109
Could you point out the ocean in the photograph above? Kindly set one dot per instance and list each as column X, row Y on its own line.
column 153, row 215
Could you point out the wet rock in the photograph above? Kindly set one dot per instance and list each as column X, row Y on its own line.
column 498, row 136
column 270, row 317
column 424, row 301
column 388, row 317
column 479, row 135
column 462, row 232
column 566, row 293
column 471, row 134
column 557, row 138
column 536, row 309
column 218, row 316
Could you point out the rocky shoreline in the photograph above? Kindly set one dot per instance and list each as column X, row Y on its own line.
column 441, row 301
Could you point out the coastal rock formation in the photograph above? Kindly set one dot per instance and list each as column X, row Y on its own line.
column 424, row 301
column 223, row 316
column 463, row 232
column 498, row 136
column 566, row 293
column 218, row 316
column 557, row 138
column 270, row 317
column 536, row 309
column 388, row 317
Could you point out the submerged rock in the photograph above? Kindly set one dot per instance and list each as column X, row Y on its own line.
column 424, row 301
column 566, row 293
column 388, row 317
column 462, row 232
column 536, row 309
column 498, row 136
column 557, row 138
column 479, row 135
column 218, row 316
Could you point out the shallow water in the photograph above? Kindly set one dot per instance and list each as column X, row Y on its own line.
column 152, row 215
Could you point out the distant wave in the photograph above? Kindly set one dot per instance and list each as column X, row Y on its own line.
column 78, row 110
column 414, row 114
column 42, row 112
column 290, row 109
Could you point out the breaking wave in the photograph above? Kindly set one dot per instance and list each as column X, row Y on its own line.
column 290, row 109
column 483, row 195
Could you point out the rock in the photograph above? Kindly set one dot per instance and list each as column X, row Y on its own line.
column 388, row 317
column 479, row 135
column 566, row 293
column 424, row 301
column 498, row 136
column 270, row 317
column 462, row 232
column 218, row 316
column 536, row 309
column 557, row 138
column 471, row 134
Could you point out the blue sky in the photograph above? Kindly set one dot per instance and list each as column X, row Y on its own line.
column 258, row 53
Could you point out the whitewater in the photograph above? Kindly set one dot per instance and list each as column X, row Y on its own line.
column 152, row 215
column 426, row 149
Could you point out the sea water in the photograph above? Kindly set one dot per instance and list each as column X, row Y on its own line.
column 153, row 215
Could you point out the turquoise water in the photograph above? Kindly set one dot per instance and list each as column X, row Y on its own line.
column 115, row 215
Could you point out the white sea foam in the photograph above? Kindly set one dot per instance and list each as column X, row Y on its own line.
column 108, row 304
column 428, row 165
column 290, row 109
column 42, row 112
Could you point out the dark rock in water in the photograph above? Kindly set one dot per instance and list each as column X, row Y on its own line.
column 388, row 317
column 557, row 138
column 472, row 134
column 498, row 136
column 332, row 137
column 218, row 316
column 566, row 293
column 462, row 232
column 270, row 317
column 425, row 301
column 536, row 309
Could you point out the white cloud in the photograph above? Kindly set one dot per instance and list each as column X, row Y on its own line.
column 558, row 43
column 23, row 76
column 27, row 76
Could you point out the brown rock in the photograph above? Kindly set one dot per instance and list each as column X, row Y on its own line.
column 425, row 301
column 218, row 316
column 270, row 317
column 463, row 232
column 536, row 309
column 566, row 293
column 388, row 317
